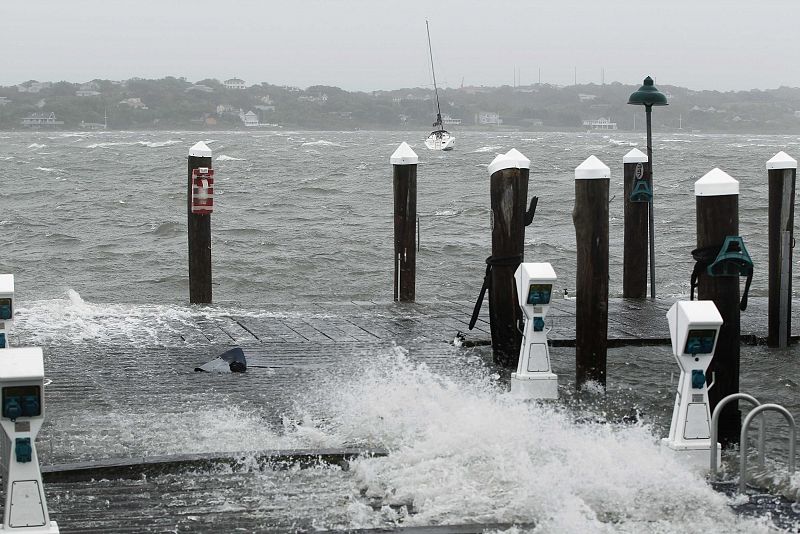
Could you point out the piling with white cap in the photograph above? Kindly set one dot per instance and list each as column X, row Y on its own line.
column 717, row 201
column 637, row 195
column 508, row 186
column 404, row 177
column 199, row 223
column 590, row 217
column 781, row 175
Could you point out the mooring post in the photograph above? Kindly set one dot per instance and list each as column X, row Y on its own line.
column 509, row 192
column 404, row 176
column 717, row 200
column 199, row 188
column 637, row 196
column 782, row 173
column 590, row 217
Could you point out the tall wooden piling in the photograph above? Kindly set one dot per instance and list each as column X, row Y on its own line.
column 404, row 176
column 199, row 229
column 509, row 191
column 782, row 173
column 717, row 200
column 634, row 265
column 590, row 216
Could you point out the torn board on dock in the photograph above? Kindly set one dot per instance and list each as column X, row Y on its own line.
column 230, row 361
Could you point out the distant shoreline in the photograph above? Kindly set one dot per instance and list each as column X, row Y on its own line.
column 212, row 105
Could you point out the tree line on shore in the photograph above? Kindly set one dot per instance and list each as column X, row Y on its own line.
column 175, row 103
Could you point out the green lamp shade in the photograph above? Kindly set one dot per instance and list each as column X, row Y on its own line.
column 648, row 95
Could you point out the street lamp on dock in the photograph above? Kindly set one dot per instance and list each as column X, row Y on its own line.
column 648, row 96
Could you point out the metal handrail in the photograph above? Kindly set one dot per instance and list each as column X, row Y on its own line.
column 743, row 439
column 715, row 428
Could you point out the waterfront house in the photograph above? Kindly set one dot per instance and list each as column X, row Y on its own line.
column 41, row 119
column 600, row 124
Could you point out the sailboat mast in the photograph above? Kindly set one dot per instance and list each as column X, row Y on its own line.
column 433, row 72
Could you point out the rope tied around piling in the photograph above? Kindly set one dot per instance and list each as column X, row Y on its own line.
column 491, row 261
column 705, row 257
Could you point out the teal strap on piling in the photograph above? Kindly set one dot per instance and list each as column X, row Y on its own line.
column 641, row 191
column 730, row 259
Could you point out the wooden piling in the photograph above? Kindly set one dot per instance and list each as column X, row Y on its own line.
column 717, row 201
column 590, row 217
column 199, row 230
column 404, row 176
column 782, row 174
column 634, row 265
column 509, row 191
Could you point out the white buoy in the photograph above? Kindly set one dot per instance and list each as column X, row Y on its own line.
column 534, row 378
column 693, row 327
column 22, row 386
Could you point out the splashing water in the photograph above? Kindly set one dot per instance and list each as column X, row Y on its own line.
column 462, row 450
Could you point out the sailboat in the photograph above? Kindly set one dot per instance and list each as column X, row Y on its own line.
column 439, row 139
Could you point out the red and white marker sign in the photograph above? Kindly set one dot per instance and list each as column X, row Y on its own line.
column 202, row 191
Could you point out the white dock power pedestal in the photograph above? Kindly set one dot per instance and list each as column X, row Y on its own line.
column 6, row 307
column 534, row 378
column 693, row 328
column 22, row 397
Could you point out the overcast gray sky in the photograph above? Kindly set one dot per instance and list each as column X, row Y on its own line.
column 381, row 44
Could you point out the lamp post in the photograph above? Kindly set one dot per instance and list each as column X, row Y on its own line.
column 648, row 96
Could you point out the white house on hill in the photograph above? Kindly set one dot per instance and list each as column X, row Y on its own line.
column 234, row 83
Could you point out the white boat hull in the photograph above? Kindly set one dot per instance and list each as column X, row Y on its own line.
column 440, row 140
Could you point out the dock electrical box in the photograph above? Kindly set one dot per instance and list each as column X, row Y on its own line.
column 6, row 307
column 694, row 328
column 534, row 378
column 22, row 397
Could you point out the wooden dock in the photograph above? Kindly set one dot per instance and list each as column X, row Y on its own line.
column 630, row 322
column 108, row 476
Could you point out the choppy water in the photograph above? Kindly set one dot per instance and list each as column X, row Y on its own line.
column 93, row 227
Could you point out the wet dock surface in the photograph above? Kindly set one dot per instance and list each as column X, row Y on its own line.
column 113, row 402
column 630, row 321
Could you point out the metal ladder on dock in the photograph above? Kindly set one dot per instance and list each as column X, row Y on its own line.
column 759, row 409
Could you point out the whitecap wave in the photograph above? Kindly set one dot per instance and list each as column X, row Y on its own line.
column 36, row 145
column 321, row 142
column 617, row 142
column 490, row 148
column 158, row 144
column 107, row 144
column 223, row 157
